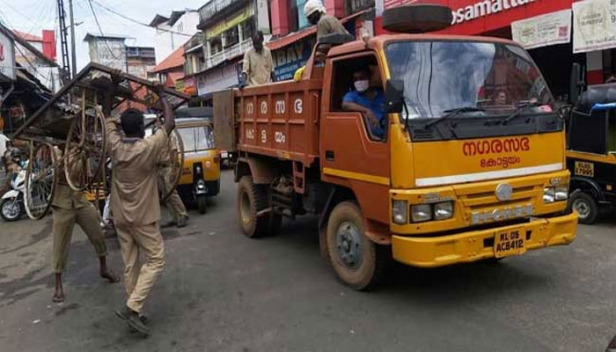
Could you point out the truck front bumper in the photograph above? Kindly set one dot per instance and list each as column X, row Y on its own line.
column 472, row 246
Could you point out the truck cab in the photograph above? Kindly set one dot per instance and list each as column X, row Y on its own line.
column 471, row 164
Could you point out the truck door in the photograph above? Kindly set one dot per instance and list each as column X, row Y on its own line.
column 351, row 154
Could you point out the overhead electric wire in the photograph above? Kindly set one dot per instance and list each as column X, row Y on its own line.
column 138, row 22
column 4, row 19
column 101, row 31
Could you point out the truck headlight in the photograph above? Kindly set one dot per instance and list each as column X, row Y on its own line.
column 399, row 212
column 443, row 211
column 561, row 193
column 549, row 195
column 421, row 213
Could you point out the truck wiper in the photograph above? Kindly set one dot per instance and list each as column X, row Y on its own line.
column 453, row 113
column 523, row 105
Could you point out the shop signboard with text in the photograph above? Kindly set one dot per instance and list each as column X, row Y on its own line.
column 551, row 29
column 291, row 57
column 594, row 25
column 480, row 16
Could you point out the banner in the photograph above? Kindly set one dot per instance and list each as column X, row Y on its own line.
column 545, row 30
column 594, row 24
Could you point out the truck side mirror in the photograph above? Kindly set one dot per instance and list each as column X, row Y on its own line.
column 575, row 84
column 394, row 96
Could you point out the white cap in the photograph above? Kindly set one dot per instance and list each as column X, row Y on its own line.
column 312, row 6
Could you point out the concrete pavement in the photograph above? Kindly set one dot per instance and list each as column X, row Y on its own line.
column 223, row 292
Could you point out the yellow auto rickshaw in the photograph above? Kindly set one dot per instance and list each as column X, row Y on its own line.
column 201, row 169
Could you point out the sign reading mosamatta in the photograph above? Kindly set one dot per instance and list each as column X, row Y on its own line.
column 485, row 8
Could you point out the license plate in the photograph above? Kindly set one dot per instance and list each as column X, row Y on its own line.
column 509, row 242
column 224, row 155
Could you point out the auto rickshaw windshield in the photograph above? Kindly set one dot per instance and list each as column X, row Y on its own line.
column 442, row 76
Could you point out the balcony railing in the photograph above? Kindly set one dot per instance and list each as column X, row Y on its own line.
column 228, row 53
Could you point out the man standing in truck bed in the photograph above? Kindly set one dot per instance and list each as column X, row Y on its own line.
column 326, row 24
column 258, row 66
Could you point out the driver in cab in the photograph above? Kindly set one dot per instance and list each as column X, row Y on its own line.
column 367, row 100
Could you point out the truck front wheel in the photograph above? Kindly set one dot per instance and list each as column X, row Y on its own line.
column 251, row 199
column 358, row 262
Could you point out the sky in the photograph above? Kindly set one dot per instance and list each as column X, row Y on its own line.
column 32, row 16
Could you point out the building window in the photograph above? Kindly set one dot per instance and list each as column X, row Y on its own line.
column 248, row 29
column 216, row 45
column 232, row 37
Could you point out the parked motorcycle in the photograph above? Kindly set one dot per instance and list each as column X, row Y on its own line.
column 12, row 202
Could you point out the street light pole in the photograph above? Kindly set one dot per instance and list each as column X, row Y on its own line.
column 73, row 53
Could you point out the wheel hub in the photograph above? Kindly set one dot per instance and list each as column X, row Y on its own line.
column 348, row 243
column 582, row 208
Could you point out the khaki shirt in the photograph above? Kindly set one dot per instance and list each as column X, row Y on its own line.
column 258, row 67
column 134, row 187
column 329, row 25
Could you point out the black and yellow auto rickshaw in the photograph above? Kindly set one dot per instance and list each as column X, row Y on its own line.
column 591, row 152
column 200, row 177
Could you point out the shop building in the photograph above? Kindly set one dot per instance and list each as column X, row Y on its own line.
column 547, row 28
column 173, row 31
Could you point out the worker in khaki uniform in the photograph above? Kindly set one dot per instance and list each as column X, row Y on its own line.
column 166, row 182
column 258, row 65
column 70, row 207
column 135, row 204
column 326, row 24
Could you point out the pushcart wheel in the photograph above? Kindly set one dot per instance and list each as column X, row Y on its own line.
column 41, row 180
column 175, row 143
column 85, row 149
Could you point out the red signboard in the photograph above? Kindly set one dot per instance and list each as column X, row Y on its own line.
column 473, row 17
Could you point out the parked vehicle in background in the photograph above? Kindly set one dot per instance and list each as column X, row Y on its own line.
column 200, row 177
column 471, row 165
column 591, row 152
column 12, row 202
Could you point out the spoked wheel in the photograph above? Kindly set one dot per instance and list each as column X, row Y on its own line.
column 84, row 154
column 175, row 172
column 41, row 181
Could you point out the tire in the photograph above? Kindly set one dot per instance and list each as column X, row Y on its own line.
column 251, row 199
column 8, row 215
column 417, row 18
column 363, row 267
column 202, row 204
column 586, row 207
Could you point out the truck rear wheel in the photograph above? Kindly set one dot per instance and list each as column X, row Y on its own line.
column 358, row 262
column 251, row 199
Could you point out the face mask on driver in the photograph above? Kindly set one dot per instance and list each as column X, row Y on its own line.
column 362, row 86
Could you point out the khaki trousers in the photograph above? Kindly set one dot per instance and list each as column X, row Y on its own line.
column 139, row 279
column 63, row 223
column 173, row 202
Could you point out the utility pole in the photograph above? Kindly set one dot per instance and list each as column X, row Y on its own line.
column 73, row 53
column 65, row 72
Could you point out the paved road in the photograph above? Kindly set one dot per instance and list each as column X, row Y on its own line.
column 223, row 292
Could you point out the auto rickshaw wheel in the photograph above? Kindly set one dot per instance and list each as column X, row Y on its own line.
column 85, row 150
column 41, row 181
column 586, row 207
column 175, row 143
column 202, row 204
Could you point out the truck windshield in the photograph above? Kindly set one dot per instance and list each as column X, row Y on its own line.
column 486, row 79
